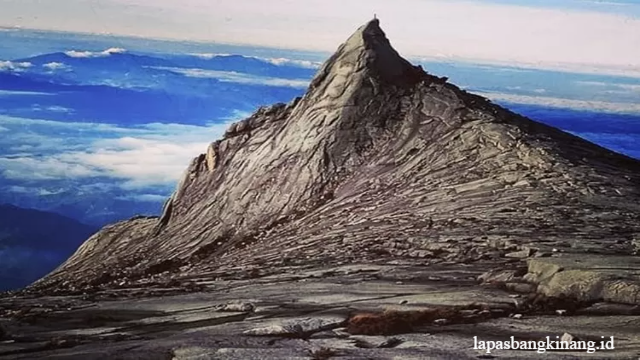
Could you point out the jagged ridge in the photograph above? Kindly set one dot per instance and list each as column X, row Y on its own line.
column 377, row 160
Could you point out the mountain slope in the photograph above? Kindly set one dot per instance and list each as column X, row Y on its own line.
column 32, row 243
column 377, row 161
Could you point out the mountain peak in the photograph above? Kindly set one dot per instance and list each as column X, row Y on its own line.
column 369, row 32
column 377, row 161
column 368, row 52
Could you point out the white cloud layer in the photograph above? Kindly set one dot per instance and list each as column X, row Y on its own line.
column 209, row 56
column 144, row 197
column 596, row 106
column 148, row 161
column 307, row 64
column 149, row 155
column 32, row 191
column 524, row 33
column 21, row 93
column 239, row 78
column 48, row 168
column 291, row 62
column 14, row 66
column 53, row 109
column 94, row 54
column 625, row 87
column 53, row 66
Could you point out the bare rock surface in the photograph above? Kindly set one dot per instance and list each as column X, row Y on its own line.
column 378, row 160
column 385, row 214
column 589, row 277
column 298, row 315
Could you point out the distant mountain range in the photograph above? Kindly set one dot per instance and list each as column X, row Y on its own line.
column 33, row 243
column 118, row 59
column 128, row 89
column 91, row 208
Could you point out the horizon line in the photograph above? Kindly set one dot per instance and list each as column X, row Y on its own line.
column 574, row 68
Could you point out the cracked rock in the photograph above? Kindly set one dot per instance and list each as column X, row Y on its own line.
column 300, row 327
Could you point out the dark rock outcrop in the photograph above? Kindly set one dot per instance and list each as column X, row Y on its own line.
column 378, row 162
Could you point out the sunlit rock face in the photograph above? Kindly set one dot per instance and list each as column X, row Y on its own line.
column 378, row 161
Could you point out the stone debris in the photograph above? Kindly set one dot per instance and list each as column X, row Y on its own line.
column 588, row 278
column 237, row 307
column 497, row 276
column 522, row 254
column 606, row 309
column 635, row 245
column 324, row 353
column 298, row 328
column 276, row 330
column 390, row 343
column 519, row 287
column 441, row 321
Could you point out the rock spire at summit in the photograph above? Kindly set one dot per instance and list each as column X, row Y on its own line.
column 369, row 52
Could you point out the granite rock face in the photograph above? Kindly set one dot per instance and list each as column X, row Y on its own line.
column 379, row 161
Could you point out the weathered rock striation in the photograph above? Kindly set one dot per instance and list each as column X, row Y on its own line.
column 377, row 160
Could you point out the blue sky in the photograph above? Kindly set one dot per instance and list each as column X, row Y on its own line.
column 574, row 35
column 621, row 7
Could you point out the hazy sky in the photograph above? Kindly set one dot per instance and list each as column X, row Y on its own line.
column 584, row 34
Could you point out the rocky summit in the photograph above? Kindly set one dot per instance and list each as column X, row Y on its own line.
column 385, row 214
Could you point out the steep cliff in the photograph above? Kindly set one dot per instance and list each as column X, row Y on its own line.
column 378, row 161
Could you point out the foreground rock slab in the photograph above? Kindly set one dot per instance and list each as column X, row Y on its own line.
column 589, row 277
column 298, row 314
